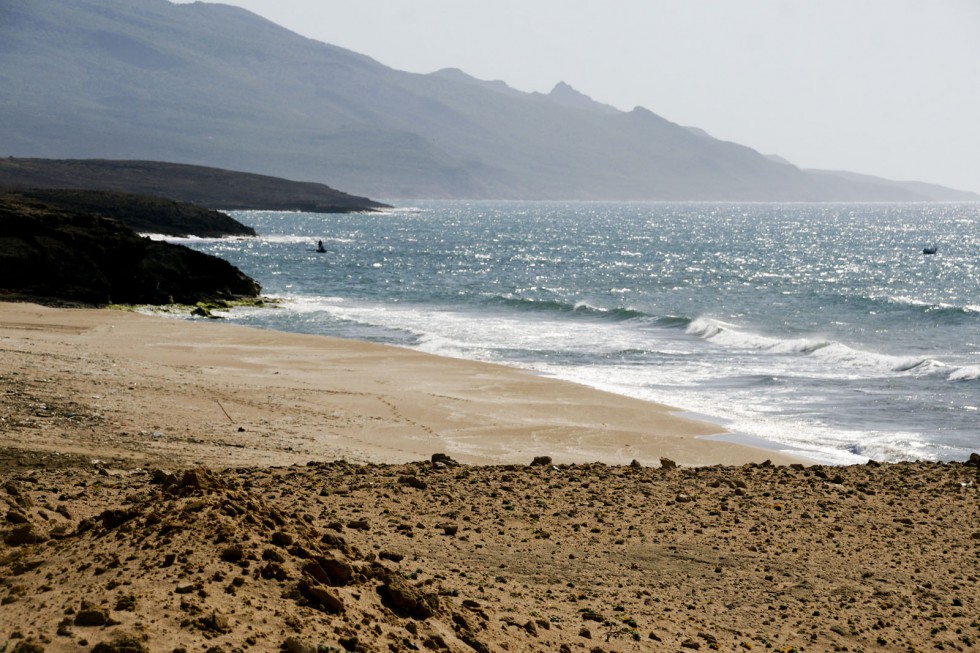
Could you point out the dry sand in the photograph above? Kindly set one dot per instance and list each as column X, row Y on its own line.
column 152, row 390
column 137, row 516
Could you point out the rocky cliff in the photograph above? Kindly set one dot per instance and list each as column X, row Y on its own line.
column 141, row 213
column 50, row 253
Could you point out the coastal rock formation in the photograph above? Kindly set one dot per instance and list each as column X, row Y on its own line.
column 215, row 188
column 50, row 253
column 142, row 213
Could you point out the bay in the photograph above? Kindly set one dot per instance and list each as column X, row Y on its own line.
column 816, row 328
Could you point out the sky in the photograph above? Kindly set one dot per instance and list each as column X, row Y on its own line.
column 882, row 87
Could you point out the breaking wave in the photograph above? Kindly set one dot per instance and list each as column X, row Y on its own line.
column 836, row 353
column 580, row 308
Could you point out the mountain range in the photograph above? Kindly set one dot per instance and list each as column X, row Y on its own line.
column 215, row 85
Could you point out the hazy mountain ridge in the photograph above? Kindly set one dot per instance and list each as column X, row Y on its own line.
column 565, row 95
column 216, row 85
column 935, row 192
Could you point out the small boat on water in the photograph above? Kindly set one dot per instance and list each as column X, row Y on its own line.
column 929, row 250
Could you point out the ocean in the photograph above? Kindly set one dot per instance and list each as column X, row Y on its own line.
column 817, row 329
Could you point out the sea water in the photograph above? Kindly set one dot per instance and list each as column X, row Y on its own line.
column 820, row 329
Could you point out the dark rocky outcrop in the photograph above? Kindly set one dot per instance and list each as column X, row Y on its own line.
column 142, row 213
column 48, row 253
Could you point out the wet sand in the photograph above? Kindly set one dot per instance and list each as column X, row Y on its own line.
column 148, row 390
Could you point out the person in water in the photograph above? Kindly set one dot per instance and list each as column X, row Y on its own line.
column 319, row 246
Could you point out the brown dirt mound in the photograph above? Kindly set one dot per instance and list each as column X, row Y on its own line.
column 438, row 556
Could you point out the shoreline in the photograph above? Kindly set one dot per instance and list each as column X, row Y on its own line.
column 804, row 456
column 146, row 388
column 185, row 485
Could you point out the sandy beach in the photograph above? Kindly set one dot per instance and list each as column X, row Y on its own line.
column 151, row 390
column 168, row 485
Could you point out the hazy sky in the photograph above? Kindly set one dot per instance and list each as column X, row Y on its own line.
column 883, row 87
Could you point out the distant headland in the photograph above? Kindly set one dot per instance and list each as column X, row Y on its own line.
column 215, row 188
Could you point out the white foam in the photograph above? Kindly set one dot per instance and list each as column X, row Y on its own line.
column 968, row 373
column 837, row 354
column 712, row 385
column 195, row 240
column 304, row 303
column 458, row 334
column 707, row 327
column 585, row 306
column 843, row 355
column 746, row 412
